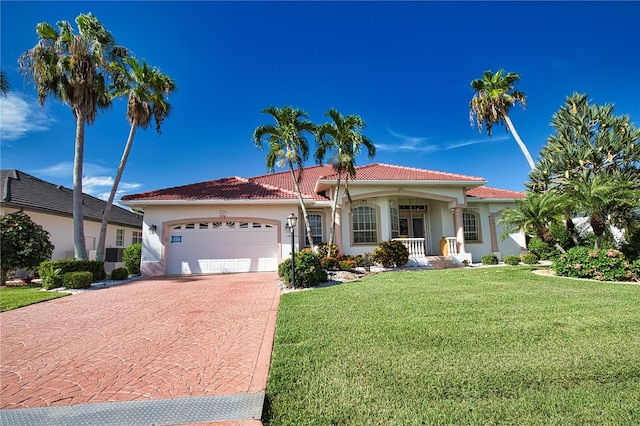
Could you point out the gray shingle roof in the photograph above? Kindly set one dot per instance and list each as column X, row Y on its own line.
column 19, row 189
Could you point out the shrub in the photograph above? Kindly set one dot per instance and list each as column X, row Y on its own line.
column 511, row 260
column 490, row 259
column 365, row 261
column 120, row 274
column 329, row 263
column 631, row 247
column 529, row 259
column 347, row 265
column 131, row 257
column 541, row 249
column 77, row 279
column 71, row 265
column 50, row 276
column 309, row 270
column 323, row 249
column 603, row 264
column 391, row 254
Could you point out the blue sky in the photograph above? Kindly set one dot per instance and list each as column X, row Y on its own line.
column 404, row 67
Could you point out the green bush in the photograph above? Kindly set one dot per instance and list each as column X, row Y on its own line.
column 119, row 274
column 490, row 259
column 131, row 256
column 329, row 262
column 512, row 260
column 77, row 279
column 529, row 259
column 541, row 249
column 323, row 250
column 603, row 264
column 631, row 247
column 50, row 276
column 391, row 254
column 71, row 265
column 364, row 261
column 309, row 270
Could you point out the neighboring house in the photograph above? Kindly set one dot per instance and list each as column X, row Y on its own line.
column 238, row 224
column 51, row 207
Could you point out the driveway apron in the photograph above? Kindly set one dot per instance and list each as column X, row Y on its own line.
column 170, row 350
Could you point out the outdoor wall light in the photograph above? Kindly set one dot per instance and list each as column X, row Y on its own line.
column 152, row 229
column 292, row 221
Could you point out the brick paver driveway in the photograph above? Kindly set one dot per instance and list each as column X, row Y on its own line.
column 158, row 338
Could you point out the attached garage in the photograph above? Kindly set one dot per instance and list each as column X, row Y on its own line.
column 221, row 247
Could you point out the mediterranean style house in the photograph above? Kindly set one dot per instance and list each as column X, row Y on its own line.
column 51, row 206
column 239, row 224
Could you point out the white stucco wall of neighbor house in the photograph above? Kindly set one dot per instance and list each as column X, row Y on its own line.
column 60, row 230
column 165, row 217
column 513, row 244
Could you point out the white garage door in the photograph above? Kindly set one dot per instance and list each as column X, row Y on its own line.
column 221, row 247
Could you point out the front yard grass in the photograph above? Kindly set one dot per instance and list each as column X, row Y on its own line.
column 467, row 346
column 16, row 297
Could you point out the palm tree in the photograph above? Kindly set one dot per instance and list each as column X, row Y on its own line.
column 494, row 96
column 4, row 84
column 343, row 140
column 73, row 68
column 534, row 214
column 287, row 146
column 602, row 197
column 145, row 88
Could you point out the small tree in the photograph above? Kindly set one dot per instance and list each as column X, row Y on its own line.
column 24, row 244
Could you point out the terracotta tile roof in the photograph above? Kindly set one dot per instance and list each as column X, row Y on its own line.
column 19, row 189
column 488, row 192
column 380, row 171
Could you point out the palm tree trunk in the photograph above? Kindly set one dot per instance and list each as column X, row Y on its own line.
column 598, row 226
column 516, row 136
column 112, row 195
column 78, row 220
column 304, row 208
column 334, row 208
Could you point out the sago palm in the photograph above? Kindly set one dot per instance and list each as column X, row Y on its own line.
column 534, row 214
column 287, row 146
column 73, row 68
column 342, row 140
column 493, row 98
column 145, row 88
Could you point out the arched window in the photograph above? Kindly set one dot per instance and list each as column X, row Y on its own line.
column 364, row 224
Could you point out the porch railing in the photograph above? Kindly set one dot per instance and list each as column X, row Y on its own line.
column 415, row 246
column 452, row 246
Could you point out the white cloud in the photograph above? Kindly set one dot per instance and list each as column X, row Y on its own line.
column 418, row 144
column 19, row 117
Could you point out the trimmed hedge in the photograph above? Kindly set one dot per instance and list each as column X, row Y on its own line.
column 490, row 259
column 391, row 254
column 119, row 274
column 511, row 260
column 72, row 265
column 77, row 279
column 529, row 259
column 131, row 257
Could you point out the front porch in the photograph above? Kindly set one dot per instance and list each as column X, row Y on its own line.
column 450, row 257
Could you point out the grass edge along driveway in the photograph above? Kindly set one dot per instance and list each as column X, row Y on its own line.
column 466, row 346
column 17, row 297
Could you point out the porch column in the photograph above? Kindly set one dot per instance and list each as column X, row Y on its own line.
column 492, row 231
column 459, row 225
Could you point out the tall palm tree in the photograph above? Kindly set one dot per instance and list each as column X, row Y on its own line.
column 4, row 84
column 343, row 141
column 534, row 214
column 287, row 146
column 494, row 96
column 145, row 88
column 73, row 68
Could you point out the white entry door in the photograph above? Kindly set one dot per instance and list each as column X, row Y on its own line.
column 221, row 247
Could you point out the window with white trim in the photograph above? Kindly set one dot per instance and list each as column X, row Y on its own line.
column 136, row 237
column 119, row 237
column 364, row 224
column 315, row 222
column 471, row 226
column 394, row 219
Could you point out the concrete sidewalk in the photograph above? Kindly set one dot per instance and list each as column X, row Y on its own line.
column 167, row 350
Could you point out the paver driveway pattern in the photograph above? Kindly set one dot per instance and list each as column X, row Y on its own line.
column 158, row 338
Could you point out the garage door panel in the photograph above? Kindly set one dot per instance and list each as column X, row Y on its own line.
column 222, row 249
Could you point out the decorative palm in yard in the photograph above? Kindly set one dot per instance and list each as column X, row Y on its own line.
column 145, row 88
column 73, row 68
column 288, row 146
column 534, row 214
column 494, row 96
column 342, row 140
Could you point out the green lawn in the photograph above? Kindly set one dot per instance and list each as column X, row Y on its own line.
column 16, row 297
column 475, row 346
